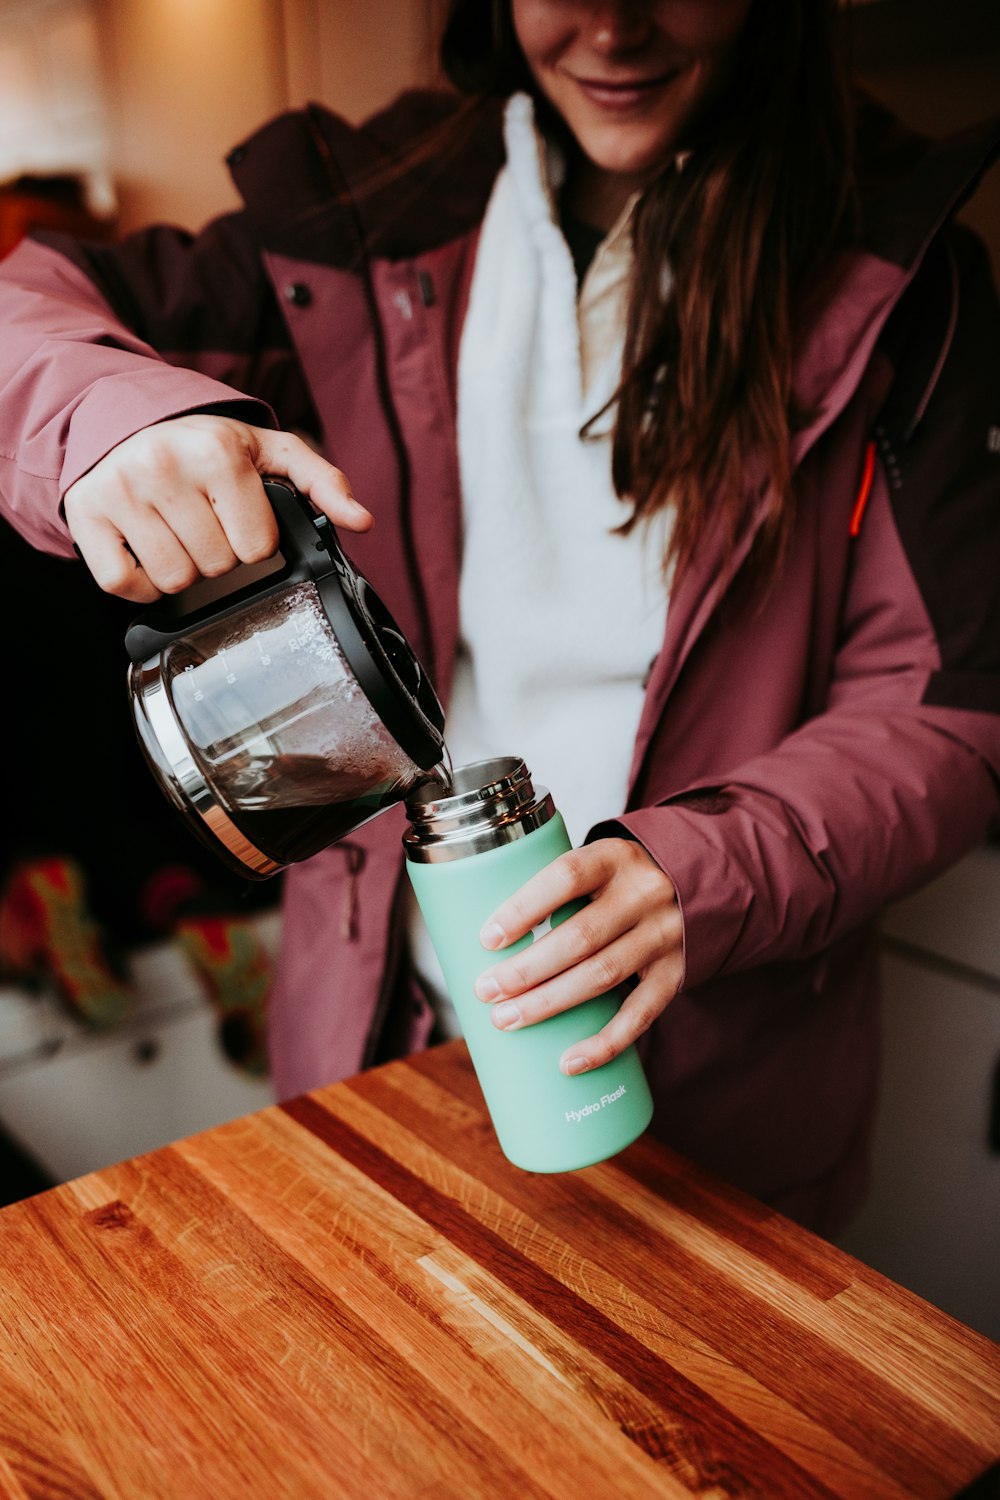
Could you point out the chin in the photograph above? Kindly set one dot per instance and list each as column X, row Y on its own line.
column 631, row 162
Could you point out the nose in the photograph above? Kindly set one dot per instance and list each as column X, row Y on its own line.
column 619, row 26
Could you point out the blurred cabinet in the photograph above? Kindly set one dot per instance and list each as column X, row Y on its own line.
column 76, row 1101
column 932, row 1221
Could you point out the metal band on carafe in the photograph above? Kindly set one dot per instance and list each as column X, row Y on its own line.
column 489, row 803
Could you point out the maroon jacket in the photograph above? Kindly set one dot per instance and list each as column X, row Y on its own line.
column 797, row 765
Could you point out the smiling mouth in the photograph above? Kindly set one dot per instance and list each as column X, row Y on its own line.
column 626, row 93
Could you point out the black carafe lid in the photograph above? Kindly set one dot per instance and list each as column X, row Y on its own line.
column 377, row 652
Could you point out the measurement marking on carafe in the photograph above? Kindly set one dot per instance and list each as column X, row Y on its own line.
column 230, row 676
column 197, row 695
column 265, row 656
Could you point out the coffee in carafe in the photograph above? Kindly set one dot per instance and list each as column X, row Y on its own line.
column 285, row 715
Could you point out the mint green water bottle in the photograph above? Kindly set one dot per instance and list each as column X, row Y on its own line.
column 467, row 849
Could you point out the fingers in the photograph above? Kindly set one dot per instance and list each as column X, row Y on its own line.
column 183, row 499
column 283, row 454
column 641, row 1008
column 521, row 1002
column 632, row 926
column 580, row 946
column 111, row 562
column 518, row 999
column 572, row 875
column 628, row 887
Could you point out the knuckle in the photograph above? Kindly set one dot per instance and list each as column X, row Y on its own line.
column 113, row 579
column 570, row 873
column 217, row 567
column 583, row 934
column 604, row 971
column 604, row 1050
column 517, row 975
column 126, row 583
column 516, row 915
column 256, row 549
column 174, row 580
column 342, row 482
column 75, row 506
column 153, row 457
column 642, row 1016
column 220, row 450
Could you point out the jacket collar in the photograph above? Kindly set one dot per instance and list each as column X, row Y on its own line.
column 414, row 177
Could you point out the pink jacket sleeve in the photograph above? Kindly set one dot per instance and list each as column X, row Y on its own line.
column 98, row 342
column 898, row 775
column 863, row 803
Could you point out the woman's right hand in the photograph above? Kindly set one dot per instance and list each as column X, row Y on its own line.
column 183, row 500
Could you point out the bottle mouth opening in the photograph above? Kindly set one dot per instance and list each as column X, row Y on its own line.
column 479, row 781
column 487, row 803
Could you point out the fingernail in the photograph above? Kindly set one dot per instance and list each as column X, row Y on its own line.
column 571, row 1065
column 487, row 988
column 492, row 935
column 507, row 1014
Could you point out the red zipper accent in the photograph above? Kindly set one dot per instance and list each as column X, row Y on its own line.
column 864, row 490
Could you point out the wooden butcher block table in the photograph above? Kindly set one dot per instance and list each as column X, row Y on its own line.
column 354, row 1294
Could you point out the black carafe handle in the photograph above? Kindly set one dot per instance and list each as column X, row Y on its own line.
column 308, row 544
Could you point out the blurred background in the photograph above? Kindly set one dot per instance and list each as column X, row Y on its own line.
column 133, row 970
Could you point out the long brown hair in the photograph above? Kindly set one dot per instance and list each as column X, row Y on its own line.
column 748, row 221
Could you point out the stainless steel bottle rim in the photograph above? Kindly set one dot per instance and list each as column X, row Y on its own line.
column 489, row 803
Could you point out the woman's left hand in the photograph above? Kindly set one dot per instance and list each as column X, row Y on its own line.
column 631, row 925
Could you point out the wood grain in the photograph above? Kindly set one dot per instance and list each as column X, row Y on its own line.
column 356, row 1295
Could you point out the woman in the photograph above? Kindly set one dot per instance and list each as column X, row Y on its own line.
column 698, row 516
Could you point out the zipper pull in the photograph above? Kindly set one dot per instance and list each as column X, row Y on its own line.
column 425, row 282
column 355, row 858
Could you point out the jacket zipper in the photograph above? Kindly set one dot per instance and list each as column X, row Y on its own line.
column 342, row 190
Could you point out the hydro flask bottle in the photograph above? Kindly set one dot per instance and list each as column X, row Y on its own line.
column 468, row 847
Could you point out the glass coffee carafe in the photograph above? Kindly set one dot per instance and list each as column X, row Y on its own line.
column 285, row 714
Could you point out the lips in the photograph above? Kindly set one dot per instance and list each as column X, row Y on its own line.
column 624, row 94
